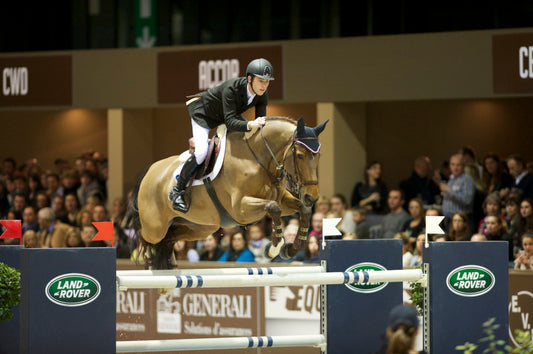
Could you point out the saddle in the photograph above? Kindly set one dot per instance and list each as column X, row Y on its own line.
column 212, row 153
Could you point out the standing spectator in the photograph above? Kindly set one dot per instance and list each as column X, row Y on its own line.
column 362, row 229
column 393, row 222
column 212, row 250
column 522, row 179
column 257, row 243
column 524, row 258
column 339, row 210
column 29, row 219
column 238, row 250
column 184, row 251
column 372, row 192
column 459, row 228
column 469, row 159
column 420, row 184
column 495, row 178
column 458, row 193
column 53, row 233
column 416, row 223
column 316, row 224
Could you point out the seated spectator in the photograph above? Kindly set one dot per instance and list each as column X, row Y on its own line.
column 34, row 186
column 118, row 212
column 257, row 243
column 70, row 182
column 42, row 200
column 74, row 238
column 184, row 251
column 19, row 202
column 88, row 187
column 497, row 231
column 417, row 260
column 339, row 210
column 478, row 238
column 459, row 228
column 53, row 233
column 85, row 218
column 372, row 192
column 393, row 222
column 362, row 229
column 58, row 206
column 432, row 212
column 491, row 207
column 524, row 258
column 54, row 187
column 29, row 220
column 439, row 238
column 420, row 184
column 494, row 177
column 407, row 255
column 100, row 213
column 238, row 250
column 322, row 205
column 526, row 216
column 13, row 214
column 349, row 236
column 312, row 250
column 316, row 224
column 30, row 239
column 87, row 235
column 416, row 223
column 212, row 251
column 72, row 208
column 512, row 216
column 289, row 234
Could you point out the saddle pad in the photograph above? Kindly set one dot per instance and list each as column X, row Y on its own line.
column 221, row 132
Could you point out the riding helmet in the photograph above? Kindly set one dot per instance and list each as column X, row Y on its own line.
column 260, row 68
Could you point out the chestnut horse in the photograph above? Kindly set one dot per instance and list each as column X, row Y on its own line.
column 273, row 169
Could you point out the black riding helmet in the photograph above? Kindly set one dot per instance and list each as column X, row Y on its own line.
column 260, row 68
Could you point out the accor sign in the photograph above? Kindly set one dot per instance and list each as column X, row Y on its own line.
column 512, row 63
column 213, row 72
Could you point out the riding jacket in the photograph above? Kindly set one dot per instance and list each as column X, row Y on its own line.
column 224, row 104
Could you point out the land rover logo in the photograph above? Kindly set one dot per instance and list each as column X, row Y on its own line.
column 470, row 280
column 72, row 289
column 366, row 287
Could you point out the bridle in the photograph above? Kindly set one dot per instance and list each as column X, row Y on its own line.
column 293, row 183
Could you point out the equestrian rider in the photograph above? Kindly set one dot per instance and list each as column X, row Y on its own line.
column 223, row 104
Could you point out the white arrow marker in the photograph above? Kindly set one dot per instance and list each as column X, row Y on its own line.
column 329, row 228
column 146, row 41
column 433, row 227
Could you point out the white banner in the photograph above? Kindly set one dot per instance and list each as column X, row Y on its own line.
column 292, row 302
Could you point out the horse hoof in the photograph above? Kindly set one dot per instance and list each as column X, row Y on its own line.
column 272, row 251
column 287, row 251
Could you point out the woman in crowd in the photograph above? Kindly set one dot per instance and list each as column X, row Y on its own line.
column 416, row 260
column 372, row 192
column 512, row 216
column 212, row 251
column 183, row 251
column 524, row 258
column 30, row 239
column 72, row 207
column 74, row 238
column 35, row 186
column 416, row 225
column 495, row 178
column 406, row 249
column 526, row 216
column 491, row 207
column 312, row 250
column 238, row 250
column 459, row 229
column 339, row 209
column 257, row 243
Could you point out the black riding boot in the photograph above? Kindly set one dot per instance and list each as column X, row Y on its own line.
column 177, row 193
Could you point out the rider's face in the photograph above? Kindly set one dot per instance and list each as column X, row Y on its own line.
column 258, row 85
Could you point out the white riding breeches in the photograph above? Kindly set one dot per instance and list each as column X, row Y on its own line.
column 200, row 137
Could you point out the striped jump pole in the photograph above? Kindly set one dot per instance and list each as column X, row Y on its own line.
column 313, row 340
column 224, row 271
column 224, row 281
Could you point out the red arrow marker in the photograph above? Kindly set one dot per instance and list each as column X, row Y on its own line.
column 13, row 229
column 105, row 231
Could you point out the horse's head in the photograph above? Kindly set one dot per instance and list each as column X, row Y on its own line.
column 306, row 149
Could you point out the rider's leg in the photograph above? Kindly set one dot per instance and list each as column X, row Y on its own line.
column 200, row 136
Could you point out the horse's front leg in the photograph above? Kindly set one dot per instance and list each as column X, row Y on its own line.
column 258, row 205
column 303, row 229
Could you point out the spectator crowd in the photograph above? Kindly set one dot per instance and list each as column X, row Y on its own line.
column 482, row 200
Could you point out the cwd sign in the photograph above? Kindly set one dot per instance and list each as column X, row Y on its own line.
column 470, row 280
column 73, row 289
column 366, row 287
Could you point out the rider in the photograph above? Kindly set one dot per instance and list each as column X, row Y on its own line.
column 223, row 104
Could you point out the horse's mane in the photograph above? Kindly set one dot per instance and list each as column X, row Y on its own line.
column 284, row 119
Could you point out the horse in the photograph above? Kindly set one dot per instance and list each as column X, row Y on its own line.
column 272, row 169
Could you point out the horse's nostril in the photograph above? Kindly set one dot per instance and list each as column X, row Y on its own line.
column 309, row 200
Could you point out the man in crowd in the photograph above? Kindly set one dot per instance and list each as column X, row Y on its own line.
column 393, row 222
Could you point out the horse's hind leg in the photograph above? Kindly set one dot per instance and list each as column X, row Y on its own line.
column 273, row 209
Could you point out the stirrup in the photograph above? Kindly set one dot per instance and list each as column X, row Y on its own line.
column 183, row 207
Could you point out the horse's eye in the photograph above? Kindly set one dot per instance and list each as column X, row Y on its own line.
column 300, row 156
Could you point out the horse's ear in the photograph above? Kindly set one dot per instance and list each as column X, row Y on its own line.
column 319, row 128
column 300, row 127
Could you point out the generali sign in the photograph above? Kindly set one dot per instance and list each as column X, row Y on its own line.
column 36, row 81
column 183, row 73
column 512, row 63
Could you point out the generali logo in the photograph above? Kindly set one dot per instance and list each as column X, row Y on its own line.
column 73, row 289
column 470, row 280
column 366, row 287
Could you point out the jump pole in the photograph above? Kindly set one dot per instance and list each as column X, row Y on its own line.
column 314, row 340
column 225, row 271
column 222, row 281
